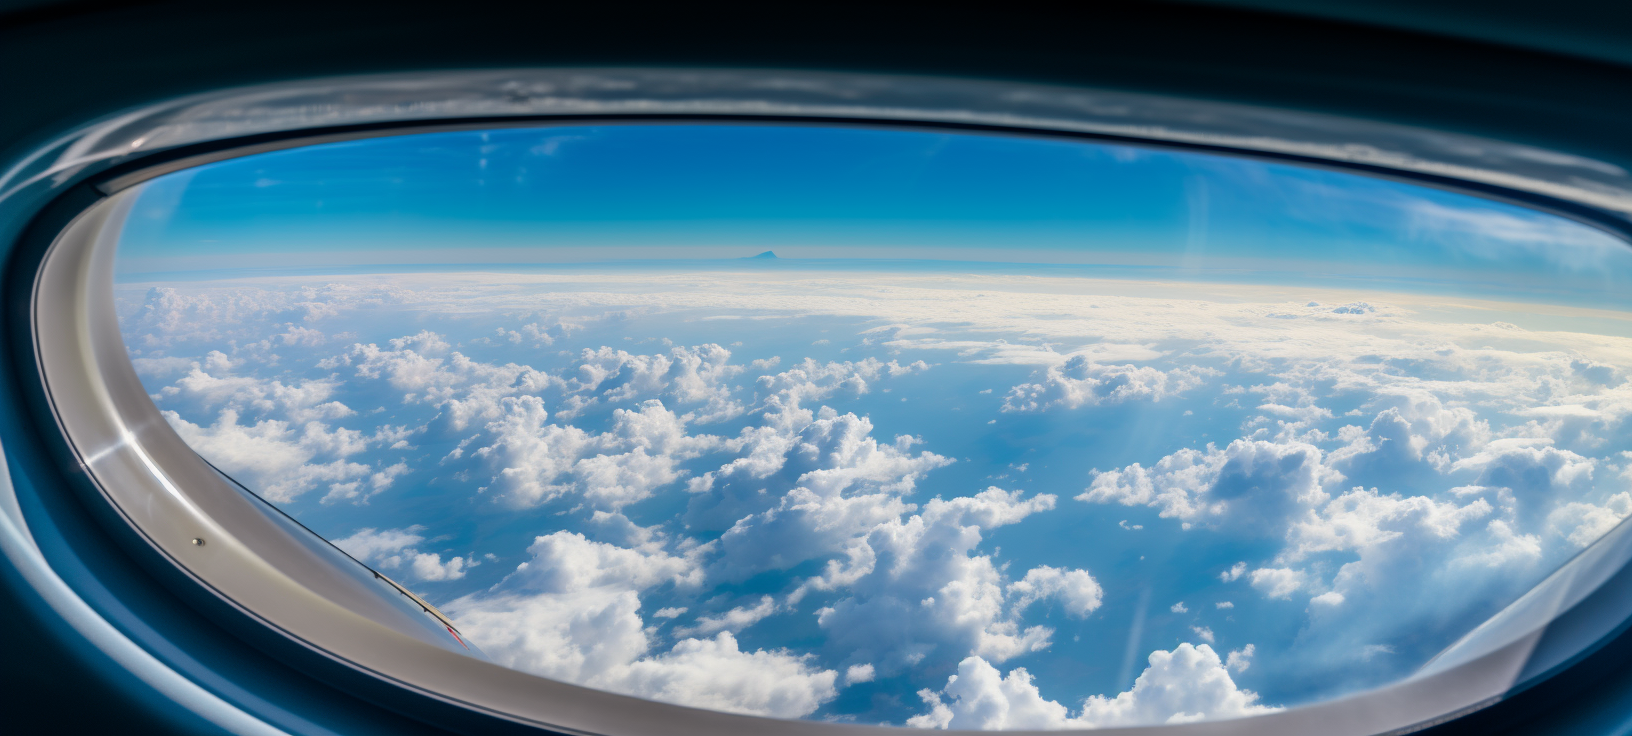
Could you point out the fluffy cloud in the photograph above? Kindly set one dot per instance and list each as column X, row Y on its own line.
column 289, row 446
column 1077, row 591
column 813, row 381
column 1408, row 432
column 565, row 562
column 537, row 461
column 211, row 383
column 1583, row 523
column 1397, row 558
column 167, row 317
column 916, row 587
column 572, row 612
column 1532, row 467
column 1278, row 489
column 845, row 483
column 1364, row 519
column 360, row 490
column 394, row 549
column 1186, row 684
column 1353, row 556
column 714, row 673
column 1240, row 659
column 1248, row 482
column 734, row 620
column 425, row 369
column 276, row 460
column 1079, row 381
column 370, row 544
column 1382, row 531
column 1504, row 547
column 820, row 454
column 1279, row 582
column 982, row 698
column 687, row 376
column 582, row 636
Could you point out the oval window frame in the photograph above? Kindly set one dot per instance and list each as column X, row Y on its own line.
column 269, row 572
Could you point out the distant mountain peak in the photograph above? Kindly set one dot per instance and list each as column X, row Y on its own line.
column 766, row 254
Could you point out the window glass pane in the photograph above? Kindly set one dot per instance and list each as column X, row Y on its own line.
column 896, row 426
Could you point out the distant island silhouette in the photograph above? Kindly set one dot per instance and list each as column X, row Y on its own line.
column 766, row 254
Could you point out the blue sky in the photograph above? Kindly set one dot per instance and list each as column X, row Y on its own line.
column 618, row 192
column 932, row 438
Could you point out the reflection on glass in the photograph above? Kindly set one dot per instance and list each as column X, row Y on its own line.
column 898, row 427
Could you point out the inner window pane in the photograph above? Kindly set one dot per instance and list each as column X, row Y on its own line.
column 896, row 426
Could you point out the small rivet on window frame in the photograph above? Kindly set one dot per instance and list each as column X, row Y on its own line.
column 198, row 541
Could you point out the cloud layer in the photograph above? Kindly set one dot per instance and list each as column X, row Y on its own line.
column 701, row 505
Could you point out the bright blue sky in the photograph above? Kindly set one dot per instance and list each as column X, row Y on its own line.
column 566, row 457
column 615, row 192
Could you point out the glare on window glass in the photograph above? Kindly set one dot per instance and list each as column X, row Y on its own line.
column 903, row 427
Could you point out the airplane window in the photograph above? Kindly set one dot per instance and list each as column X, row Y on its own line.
column 897, row 426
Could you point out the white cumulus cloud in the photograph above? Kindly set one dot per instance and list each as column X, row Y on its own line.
column 917, row 587
column 397, row 549
column 1186, row 684
column 1249, row 482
